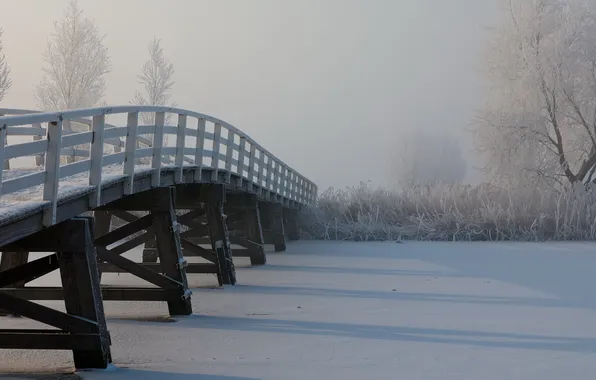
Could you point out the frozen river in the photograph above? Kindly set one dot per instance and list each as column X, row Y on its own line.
column 331, row 310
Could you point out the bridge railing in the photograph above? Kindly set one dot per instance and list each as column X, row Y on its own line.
column 200, row 140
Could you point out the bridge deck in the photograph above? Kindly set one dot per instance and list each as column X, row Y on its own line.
column 21, row 212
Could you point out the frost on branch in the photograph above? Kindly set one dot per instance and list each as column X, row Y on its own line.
column 157, row 81
column 5, row 81
column 75, row 63
column 539, row 123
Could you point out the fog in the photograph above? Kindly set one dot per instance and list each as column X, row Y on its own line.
column 327, row 86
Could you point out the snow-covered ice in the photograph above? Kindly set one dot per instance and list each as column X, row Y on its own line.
column 327, row 310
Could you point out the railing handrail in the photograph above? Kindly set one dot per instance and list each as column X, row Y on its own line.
column 44, row 117
column 281, row 179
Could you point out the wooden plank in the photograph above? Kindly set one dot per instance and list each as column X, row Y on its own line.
column 191, row 215
column 215, row 152
column 191, row 249
column 124, row 215
column 180, row 143
column 134, row 242
column 130, row 150
column 50, row 187
column 124, row 231
column 60, row 237
column 80, row 138
column 46, row 315
column 221, row 243
column 19, row 272
column 200, row 144
column 191, row 196
column 195, row 268
column 82, row 294
column 229, row 155
column 254, row 233
column 129, row 266
column 170, row 251
column 48, row 340
column 157, row 148
column 197, row 229
column 30, row 148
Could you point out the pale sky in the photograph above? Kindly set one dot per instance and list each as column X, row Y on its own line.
column 326, row 85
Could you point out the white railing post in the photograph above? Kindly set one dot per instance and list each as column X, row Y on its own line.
column 130, row 158
column 293, row 185
column 50, row 186
column 96, row 157
column 269, row 168
column 251, row 165
column 157, row 148
column 229, row 156
column 261, row 169
column 200, row 145
column 180, row 144
column 275, row 178
column 215, row 152
column 3, row 134
column 282, row 186
column 241, row 155
column 300, row 189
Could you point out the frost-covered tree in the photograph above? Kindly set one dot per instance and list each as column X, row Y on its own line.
column 5, row 81
column 425, row 158
column 157, row 81
column 539, row 122
column 75, row 64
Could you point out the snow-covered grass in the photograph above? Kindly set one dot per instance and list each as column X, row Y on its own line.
column 344, row 310
column 446, row 213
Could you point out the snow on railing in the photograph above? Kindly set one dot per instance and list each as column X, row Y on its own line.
column 205, row 142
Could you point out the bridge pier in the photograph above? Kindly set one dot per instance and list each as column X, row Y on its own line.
column 208, row 226
column 159, row 224
column 244, row 221
column 82, row 328
column 273, row 225
column 290, row 219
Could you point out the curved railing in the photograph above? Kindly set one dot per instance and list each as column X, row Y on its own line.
column 118, row 151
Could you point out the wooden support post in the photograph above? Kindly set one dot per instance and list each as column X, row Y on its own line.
column 82, row 328
column 82, row 293
column 220, row 242
column 167, row 237
column 291, row 224
column 11, row 260
column 254, row 232
column 103, row 223
column 274, row 230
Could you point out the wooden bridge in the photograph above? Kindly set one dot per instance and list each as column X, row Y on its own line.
column 100, row 189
